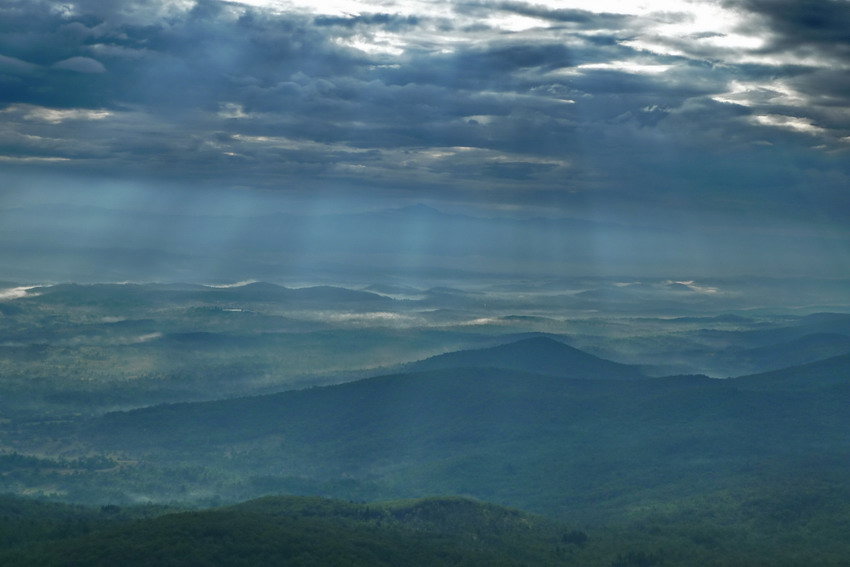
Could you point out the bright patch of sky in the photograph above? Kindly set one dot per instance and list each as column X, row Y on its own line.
column 695, row 29
column 664, row 18
column 701, row 23
column 753, row 93
column 625, row 66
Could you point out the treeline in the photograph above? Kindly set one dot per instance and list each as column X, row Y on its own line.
column 310, row 531
column 282, row 531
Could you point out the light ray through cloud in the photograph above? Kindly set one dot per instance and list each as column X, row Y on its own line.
column 653, row 135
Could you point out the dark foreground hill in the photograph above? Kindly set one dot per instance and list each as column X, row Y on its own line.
column 310, row 531
column 294, row 531
column 538, row 355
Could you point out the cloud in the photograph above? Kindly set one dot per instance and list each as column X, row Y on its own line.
column 15, row 292
column 54, row 115
column 805, row 27
column 732, row 109
column 13, row 66
column 80, row 65
column 146, row 338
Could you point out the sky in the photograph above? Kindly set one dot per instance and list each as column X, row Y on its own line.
column 723, row 120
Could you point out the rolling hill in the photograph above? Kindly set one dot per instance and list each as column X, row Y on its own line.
column 752, row 468
column 564, row 447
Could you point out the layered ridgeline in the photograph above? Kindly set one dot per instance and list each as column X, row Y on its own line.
column 829, row 375
column 685, row 467
column 572, row 448
column 71, row 349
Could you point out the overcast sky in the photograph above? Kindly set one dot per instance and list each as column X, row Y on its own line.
column 707, row 113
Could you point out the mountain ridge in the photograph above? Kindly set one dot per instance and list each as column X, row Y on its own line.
column 817, row 375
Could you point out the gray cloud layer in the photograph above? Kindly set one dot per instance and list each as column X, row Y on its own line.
column 589, row 114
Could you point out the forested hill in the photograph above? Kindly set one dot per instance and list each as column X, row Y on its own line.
column 294, row 531
column 542, row 443
column 691, row 469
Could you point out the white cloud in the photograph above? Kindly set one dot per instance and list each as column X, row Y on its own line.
column 237, row 284
column 754, row 93
column 698, row 288
column 32, row 159
column 57, row 115
column 624, row 66
column 148, row 337
column 378, row 43
column 232, row 110
column 794, row 123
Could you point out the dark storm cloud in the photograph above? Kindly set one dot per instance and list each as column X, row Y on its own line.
column 80, row 65
column 569, row 114
column 808, row 46
column 582, row 19
column 389, row 22
column 822, row 26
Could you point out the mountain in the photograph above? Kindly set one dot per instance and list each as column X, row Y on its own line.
column 544, row 443
column 540, row 355
column 393, row 289
column 833, row 321
column 803, row 350
column 420, row 211
column 327, row 295
column 726, row 318
column 751, row 468
column 831, row 374
column 796, row 329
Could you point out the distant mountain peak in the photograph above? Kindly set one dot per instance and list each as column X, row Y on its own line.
column 538, row 355
column 419, row 209
column 540, row 340
column 264, row 286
